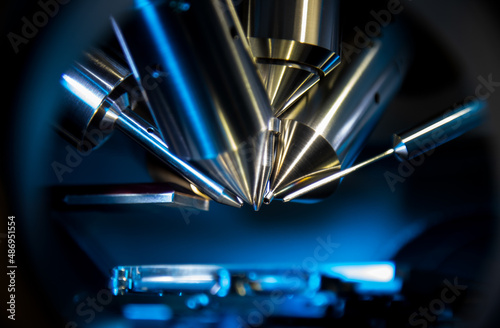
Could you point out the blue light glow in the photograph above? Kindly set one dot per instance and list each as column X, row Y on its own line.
column 269, row 280
column 315, row 281
column 197, row 301
column 80, row 91
column 172, row 65
column 369, row 277
column 157, row 312
column 225, row 283
column 365, row 272
column 333, row 62
column 373, row 287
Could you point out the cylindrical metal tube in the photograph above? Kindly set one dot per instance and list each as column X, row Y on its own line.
column 170, row 279
column 413, row 143
column 295, row 43
column 94, row 84
column 131, row 125
column 438, row 131
column 304, row 32
column 100, row 100
column 328, row 127
column 203, row 87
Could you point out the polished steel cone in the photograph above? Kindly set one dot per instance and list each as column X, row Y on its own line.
column 246, row 170
column 294, row 42
column 285, row 84
column 327, row 128
column 204, row 89
column 303, row 156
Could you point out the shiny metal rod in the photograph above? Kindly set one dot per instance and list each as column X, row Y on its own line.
column 295, row 43
column 71, row 197
column 99, row 96
column 415, row 142
column 130, row 124
column 205, row 92
column 326, row 129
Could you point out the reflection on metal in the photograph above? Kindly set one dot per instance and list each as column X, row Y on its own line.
column 132, row 194
column 234, row 280
column 411, row 144
column 170, row 279
column 290, row 292
column 94, row 83
column 294, row 42
column 440, row 130
column 370, row 278
column 325, row 130
column 362, row 272
column 255, row 282
column 100, row 100
column 211, row 106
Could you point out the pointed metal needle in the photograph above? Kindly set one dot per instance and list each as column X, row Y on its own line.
column 336, row 176
column 131, row 125
column 417, row 141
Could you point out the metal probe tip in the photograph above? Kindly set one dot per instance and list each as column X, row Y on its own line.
column 227, row 198
column 132, row 125
column 268, row 198
column 258, row 198
column 415, row 142
column 335, row 176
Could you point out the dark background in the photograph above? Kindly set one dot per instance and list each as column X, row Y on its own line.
column 448, row 206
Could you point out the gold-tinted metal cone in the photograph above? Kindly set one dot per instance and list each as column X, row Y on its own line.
column 303, row 157
column 285, row 84
column 246, row 170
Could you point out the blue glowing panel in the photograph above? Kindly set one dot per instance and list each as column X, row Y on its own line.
column 157, row 312
column 369, row 277
column 364, row 272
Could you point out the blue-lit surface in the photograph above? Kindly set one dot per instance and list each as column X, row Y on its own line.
column 172, row 65
column 83, row 93
column 333, row 62
column 364, row 272
column 170, row 279
column 197, row 301
column 280, row 233
column 373, row 287
column 147, row 312
column 359, row 221
column 369, row 277
column 224, row 282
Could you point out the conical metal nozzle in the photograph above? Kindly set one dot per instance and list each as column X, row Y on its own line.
column 302, row 157
column 211, row 106
column 327, row 128
column 285, row 84
column 294, row 42
column 246, row 170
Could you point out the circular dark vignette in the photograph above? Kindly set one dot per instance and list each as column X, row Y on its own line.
column 26, row 139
